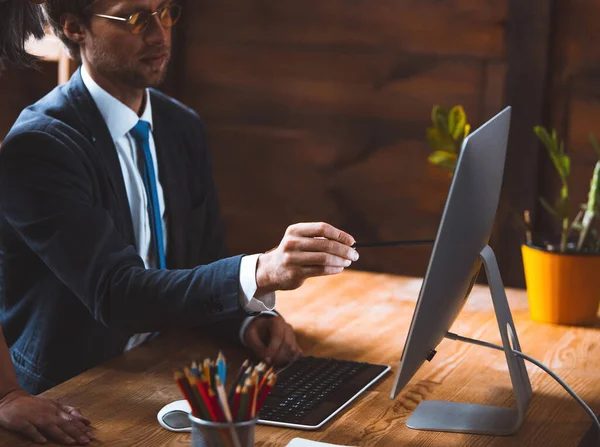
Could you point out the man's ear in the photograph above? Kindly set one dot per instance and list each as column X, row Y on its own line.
column 73, row 28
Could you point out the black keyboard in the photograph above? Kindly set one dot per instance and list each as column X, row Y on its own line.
column 312, row 390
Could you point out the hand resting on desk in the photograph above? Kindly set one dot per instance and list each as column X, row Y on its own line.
column 40, row 419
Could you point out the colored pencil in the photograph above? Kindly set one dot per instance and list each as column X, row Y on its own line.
column 206, row 370
column 184, row 387
column 264, row 392
column 214, row 400
column 235, row 406
column 265, row 378
column 243, row 408
column 195, row 369
column 252, row 413
column 222, row 367
column 239, row 376
column 202, row 390
column 226, row 411
column 202, row 406
column 213, row 376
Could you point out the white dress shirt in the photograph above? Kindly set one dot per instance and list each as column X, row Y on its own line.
column 120, row 119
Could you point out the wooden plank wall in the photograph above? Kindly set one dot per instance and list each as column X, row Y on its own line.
column 574, row 96
column 317, row 110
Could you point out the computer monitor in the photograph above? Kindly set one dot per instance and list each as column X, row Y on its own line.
column 463, row 234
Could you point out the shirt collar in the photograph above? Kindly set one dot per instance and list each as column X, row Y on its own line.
column 119, row 118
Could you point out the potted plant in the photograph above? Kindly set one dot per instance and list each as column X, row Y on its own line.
column 560, row 270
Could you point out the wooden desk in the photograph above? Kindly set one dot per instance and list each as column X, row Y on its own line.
column 364, row 317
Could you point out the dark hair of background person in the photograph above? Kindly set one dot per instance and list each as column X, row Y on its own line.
column 19, row 21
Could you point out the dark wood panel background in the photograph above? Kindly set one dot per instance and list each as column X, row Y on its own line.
column 317, row 110
column 574, row 96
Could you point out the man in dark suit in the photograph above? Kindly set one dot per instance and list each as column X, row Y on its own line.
column 35, row 417
column 109, row 226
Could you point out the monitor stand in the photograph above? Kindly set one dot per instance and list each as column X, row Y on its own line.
column 484, row 419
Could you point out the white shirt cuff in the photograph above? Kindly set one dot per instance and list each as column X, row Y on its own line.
column 247, row 322
column 248, row 300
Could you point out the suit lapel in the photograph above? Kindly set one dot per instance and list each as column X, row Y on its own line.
column 172, row 182
column 100, row 138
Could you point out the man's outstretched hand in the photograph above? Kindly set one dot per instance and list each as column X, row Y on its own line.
column 306, row 250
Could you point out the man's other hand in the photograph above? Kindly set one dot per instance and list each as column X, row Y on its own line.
column 40, row 419
column 273, row 340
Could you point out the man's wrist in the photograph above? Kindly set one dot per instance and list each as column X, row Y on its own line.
column 263, row 282
column 10, row 389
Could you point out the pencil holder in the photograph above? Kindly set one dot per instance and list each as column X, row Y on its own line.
column 217, row 434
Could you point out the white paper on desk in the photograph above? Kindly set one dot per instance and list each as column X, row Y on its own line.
column 299, row 442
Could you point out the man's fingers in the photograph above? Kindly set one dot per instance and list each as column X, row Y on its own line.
column 321, row 245
column 318, row 259
column 321, row 229
column 76, row 413
column 310, row 272
column 277, row 337
column 76, row 428
column 254, row 341
column 55, row 433
column 30, row 432
column 288, row 348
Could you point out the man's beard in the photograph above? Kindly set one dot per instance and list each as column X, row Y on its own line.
column 19, row 20
column 129, row 73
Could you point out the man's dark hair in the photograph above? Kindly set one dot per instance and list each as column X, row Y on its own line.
column 54, row 11
column 19, row 20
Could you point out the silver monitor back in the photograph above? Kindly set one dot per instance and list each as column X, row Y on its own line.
column 464, row 231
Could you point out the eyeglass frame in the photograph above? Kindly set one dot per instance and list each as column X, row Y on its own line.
column 150, row 14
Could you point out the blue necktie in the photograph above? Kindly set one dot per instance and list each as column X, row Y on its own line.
column 141, row 135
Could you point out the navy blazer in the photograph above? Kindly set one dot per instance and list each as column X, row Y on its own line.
column 73, row 288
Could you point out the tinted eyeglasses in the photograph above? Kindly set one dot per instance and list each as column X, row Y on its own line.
column 138, row 21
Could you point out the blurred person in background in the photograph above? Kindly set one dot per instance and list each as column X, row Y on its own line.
column 37, row 418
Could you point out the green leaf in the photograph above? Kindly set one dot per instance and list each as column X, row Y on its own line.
column 565, row 162
column 439, row 116
column 443, row 159
column 556, row 151
column 562, row 165
column 457, row 119
column 440, row 141
column 544, row 137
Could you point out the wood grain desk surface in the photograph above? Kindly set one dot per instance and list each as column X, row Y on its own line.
column 365, row 317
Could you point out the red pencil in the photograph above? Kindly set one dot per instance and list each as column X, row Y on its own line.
column 207, row 402
column 214, row 399
column 235, row 406
column 264, row 392
column 184, row 387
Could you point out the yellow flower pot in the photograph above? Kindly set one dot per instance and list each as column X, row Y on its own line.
column 562, row 288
